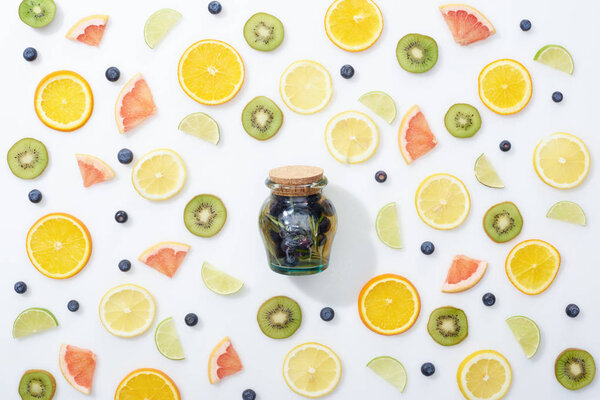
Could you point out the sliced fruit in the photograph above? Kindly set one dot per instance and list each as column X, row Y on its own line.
column 442, row 201
column 353, row 25
column 159, row 24
column 414, row 136
column 484, row 375
column 93, row 170
column 261, row 118
column 279, row 317
column 159, row 175
column 417, row 53
column 388, row 226
column 64, row 101
column 466, row 24
column 201, row 125
column 77, row 366
column 567, row 211
column 27, row 158
column 503, row 222
column 463, row 274
column 526, row 332
column 165, row 257
column 127, row 310
column 37, row 384
column 33, row 320
column 389, row 304
column 223, row 361
column 448, row 326
column 312, row 370
column 557, row 57
column 59, row 245
column 218, row 281
column 134, row 104
column 381, row 104
column 561, row 160
column 351, row 137
column 505, row 86
column 391, row 370
column 486, row 174
column 532, row 266
column 263, row 32
column 211, row 72
column 305, row 87
column 574, row 368
column 462, row 120
column 147, row 383
column 167, row 340
column 37, row 13
column 205, row 215
column 89, row 30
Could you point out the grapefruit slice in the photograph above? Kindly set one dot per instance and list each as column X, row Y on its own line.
column 134, row 104
column 223, row 361
column 414, row 136
column 89, row 30
column 165, row 257
column 463, row 274
column 77, row 366
column 466, row 23
column 93, row 170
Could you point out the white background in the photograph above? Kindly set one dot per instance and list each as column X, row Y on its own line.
column 235, row 171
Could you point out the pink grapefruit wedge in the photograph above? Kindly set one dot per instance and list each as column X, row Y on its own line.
column 134, row 104
column 89, row 30
column 77, row 366
column 223, row 361
column 165, row 257
column 93, row 170
column 466, row 23
column 414, row 136
column 463, row 274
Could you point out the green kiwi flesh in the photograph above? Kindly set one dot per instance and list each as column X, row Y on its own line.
column 263, row 32
column 262, row 118
column 279, row 317
column 37, row 384
column 448, row 325
column 462, row 120
column 37, row 13
column 205, row 215
column 503, row 222
column 27, row 158
column 574, row 368
column 417, row 53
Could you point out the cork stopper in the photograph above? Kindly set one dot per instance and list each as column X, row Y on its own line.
column 295, row 180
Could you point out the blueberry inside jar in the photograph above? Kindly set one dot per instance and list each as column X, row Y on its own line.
column 297, row 221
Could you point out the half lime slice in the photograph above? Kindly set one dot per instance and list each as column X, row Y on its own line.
column 557, row 57
column 33, row 320
column 381, row 104
column 202, row 126
column 388, row 226
column 167, row 340
column 526, row 332
column 567, row 211
column 486, row 174
column 389, row 369
column 218, row 281
column 159, row 24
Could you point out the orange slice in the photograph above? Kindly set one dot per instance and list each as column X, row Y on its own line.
column 505, row 86
column 353, row 25
column 89, row 30
column 223, row 361
column 464, row 273
column 93, row 170
column 414, row 136
column 147, row 384
column 165, row 257
column 77, row 366
column 532, row 266
column 134, row 104
column 466, row 24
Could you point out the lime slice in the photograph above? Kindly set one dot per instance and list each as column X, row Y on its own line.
column 33, row 320
column 389, row 369
column 388, row 227
column 218, row 281
column 567, row 211
column 202, row 126
column 167, row 341
column 555, row 56
column 526, row 332
column 486, row 174
column 159, row 24
column 381, row 104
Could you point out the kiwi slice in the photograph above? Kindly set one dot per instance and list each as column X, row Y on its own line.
column 37, row 384
column 279, row 317
column 462, row 120
column 417, row 53
column 37, row 13
column 574, row 368
column 448, row 325
column 503, row 222
column 263, row 32
column 205, row 215
column 27, row 158
column 262, row 118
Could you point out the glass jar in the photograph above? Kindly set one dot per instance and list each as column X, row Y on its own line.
column 296, row 221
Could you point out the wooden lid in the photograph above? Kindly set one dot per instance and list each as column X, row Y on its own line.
column 296, row 175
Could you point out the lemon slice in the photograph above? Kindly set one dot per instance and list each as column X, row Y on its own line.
column 312, row 370
column 484, row 375
column 381, row 104
column 388, row 227
column 442, row 201
column 532, row 265
column 351, row 137
column 159, row 24
column 561, row 160
column 505, row 86
column 557, row 57
column 33, row 320
column 167, row 340
column 127, row 310
column 305, row 87
column 159, row 175
column 567, row 211
column 391, row 370
column 218, row 281
column 202, row 126
column 526, row 332
column 486, row 174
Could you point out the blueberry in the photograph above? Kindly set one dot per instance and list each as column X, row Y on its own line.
column 124, row 265
column 125, row 156
column 572, row 310
column 347, row 71
column 427, row 248
column 214, row 7
column 248, row 394
column 327, row 314
column 525, row 25
column 73, row 305
column 328, row 208
column 380, row 176
column 505, row 145
column 121, row 216
column 30, row 54
column 321, row 239
column 428, row 369
column 325, row 225
column 191, row 319
column 305, row 243
column 35, row 196
column 291, row 259
column 112, row 74
column 488, row 299
column 315, row 209
column 20, row 287
column 557, row 97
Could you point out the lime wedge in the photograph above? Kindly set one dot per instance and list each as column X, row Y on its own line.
column 159, row 24
column 567, row 211
column 202, row 126
column 167, row 341
column 555, row 56
column 388, row 227
column 218, row 281
column 389, row 369
column 381, row 104
column 33, row 320
column 526, row 332
column 486, row 174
